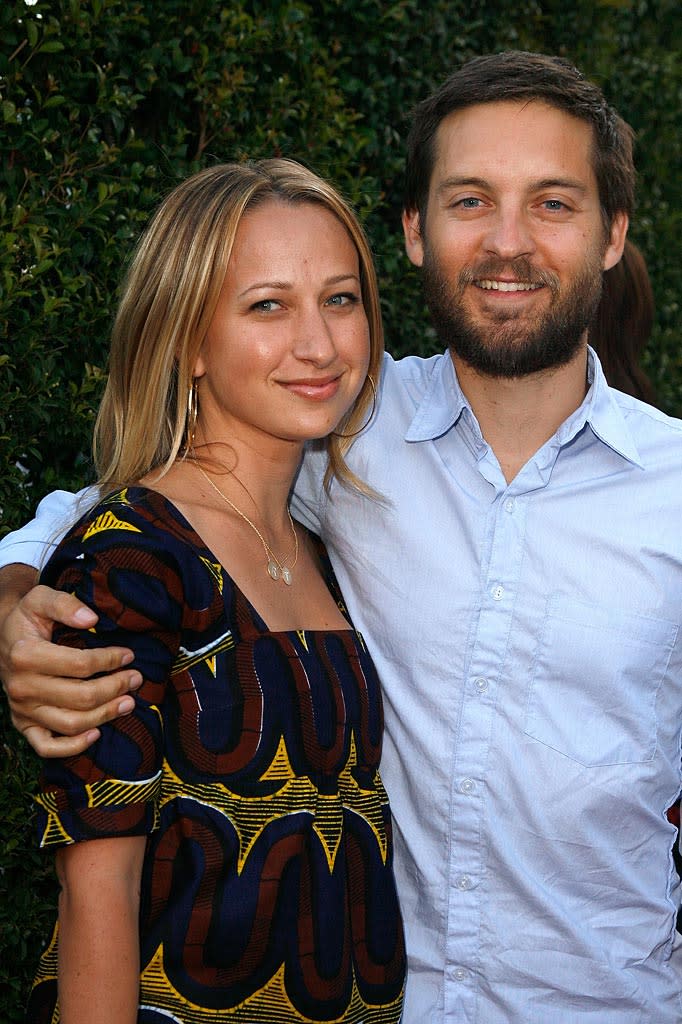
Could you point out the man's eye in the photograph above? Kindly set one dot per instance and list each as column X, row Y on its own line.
column 469, row 203
column 554, row 204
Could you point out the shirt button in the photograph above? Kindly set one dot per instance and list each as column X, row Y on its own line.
column 497, row 592
column 460, row 974
column 481, row 684
column 463, row 883
column 467, row 786
column 509, row 505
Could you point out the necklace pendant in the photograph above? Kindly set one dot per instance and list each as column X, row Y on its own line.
column 286, row 575
column 273, row 569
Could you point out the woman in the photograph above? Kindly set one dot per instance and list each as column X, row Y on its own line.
column 225, row 852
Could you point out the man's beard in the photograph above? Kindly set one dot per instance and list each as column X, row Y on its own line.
column 508, row 343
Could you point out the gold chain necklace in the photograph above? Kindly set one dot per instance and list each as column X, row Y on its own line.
column 277, row 570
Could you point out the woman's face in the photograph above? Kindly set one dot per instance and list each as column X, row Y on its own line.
column 287, row 351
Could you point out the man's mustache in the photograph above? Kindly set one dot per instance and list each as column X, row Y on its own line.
column 520, row 269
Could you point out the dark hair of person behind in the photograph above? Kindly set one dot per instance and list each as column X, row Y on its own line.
column 517, row 75
column 623, row 323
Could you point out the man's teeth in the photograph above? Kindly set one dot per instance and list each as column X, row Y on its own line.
column 508, row 286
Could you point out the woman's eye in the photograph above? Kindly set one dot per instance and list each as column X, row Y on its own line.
column 265, row 305
column 342, row 299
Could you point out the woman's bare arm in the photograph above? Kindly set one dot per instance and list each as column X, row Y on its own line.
column 99, row 949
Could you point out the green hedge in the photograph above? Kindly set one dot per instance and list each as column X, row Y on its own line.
column 107, row 103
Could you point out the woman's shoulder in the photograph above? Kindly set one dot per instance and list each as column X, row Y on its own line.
column 132, row 525
column 135, row 509
column 137, row 547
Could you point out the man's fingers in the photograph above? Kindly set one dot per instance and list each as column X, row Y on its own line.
column 45, row 604
column 42, row 658
column 93, row 696
column 63, row 732
column 48, row 745
column 57, row 694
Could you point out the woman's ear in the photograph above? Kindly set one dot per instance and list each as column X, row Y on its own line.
column 199, row 368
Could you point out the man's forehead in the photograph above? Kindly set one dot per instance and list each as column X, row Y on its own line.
column 512, row 136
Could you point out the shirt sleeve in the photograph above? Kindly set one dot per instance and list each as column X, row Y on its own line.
column 124, row 566
column 34, row 542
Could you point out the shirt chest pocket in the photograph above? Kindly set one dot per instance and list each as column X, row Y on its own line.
column 594, row 683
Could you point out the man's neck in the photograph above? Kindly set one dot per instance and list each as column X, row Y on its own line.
column 518, row 415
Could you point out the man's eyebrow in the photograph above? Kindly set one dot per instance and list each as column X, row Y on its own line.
column 467, row 181
column 571, row 183
column 459, row 181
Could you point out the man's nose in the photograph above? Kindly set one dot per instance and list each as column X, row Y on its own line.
column 509, row 234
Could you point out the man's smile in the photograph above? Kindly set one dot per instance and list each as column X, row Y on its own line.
column 507, row 286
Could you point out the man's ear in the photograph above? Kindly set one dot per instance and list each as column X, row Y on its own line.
column 414, row 246
column 614, row 249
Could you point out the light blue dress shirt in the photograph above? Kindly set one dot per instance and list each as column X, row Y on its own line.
column 528, row 640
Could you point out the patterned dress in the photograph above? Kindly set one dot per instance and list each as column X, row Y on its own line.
column 251, row 763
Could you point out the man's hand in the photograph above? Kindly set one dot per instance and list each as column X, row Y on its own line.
column 45, row 683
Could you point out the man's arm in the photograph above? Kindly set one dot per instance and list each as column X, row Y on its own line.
column 45, row 682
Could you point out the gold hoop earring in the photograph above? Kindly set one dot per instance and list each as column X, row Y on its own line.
column 192, row 413
column 373, row 386
column 345, row 437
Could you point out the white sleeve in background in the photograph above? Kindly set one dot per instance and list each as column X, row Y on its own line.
column 34, row 543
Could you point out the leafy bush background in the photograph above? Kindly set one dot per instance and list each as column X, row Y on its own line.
column 105, row 104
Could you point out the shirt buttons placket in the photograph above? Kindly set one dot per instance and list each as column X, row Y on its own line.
column 467, row 876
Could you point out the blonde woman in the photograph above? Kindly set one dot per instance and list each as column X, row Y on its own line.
column 225, row 851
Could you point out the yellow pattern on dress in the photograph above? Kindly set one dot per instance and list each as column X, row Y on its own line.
column 103, row 793
column 297, row 795
column 48, row 967
column 271, row 1003
column 280, row 766
column 108, row 521
column 216, row 571
column 54, row 831
column 115, row 792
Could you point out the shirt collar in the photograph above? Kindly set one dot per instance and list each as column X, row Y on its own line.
column 443, row 403
column 604, row 415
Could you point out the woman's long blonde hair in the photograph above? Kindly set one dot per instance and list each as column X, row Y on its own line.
column 168, row 300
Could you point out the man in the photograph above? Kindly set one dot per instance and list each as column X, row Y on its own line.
column 520, row 585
